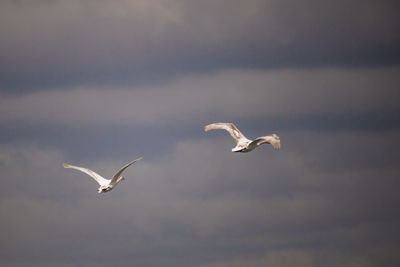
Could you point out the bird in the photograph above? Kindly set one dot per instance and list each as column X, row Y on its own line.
column 106, row 185
column 243, row 144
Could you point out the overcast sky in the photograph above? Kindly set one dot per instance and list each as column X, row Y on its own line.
column 101, row 83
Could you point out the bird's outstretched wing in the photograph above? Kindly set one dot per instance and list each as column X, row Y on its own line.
column 89, row 172
column 230, row 127
column 118, row 173
column 272, row 139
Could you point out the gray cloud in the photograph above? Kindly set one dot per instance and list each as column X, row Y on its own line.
column 235, row 94
column 66, row 43
column 216, row 208
column 99, row 83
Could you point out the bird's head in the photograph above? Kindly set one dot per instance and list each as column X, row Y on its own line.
column 104, row 189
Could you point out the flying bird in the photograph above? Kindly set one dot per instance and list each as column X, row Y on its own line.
column 106, row 185
column 242, row 143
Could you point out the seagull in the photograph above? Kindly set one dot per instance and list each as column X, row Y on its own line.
column 106, row 185
column 243, row 144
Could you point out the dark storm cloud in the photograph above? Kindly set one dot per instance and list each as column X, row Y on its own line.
column 64, row 43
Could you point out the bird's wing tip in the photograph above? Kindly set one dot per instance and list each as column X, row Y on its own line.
column 65, row 165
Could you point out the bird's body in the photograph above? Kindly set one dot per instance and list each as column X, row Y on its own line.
column 106, row 185
column 244, row 144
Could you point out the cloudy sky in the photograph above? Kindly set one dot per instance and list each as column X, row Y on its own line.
column 100, row 83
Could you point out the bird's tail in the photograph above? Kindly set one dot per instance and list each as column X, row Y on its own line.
column 276, row 145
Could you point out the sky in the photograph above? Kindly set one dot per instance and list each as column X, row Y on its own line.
column 101, row 83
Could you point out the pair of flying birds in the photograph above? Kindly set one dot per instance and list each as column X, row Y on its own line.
column 243, row 145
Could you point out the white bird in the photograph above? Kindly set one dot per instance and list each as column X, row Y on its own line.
column 242, row 143
column 106, row 185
